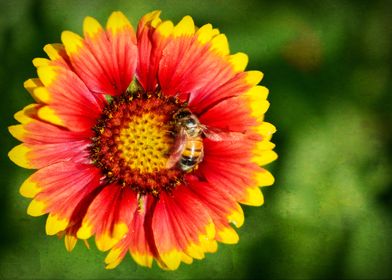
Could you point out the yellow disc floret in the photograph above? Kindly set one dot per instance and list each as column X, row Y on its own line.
column 144, row 143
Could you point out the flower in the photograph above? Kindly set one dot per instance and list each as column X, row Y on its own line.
column 113, row 109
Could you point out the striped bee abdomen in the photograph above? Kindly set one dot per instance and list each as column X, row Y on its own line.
column 192, row 153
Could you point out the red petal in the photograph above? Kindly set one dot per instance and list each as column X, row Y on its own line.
column 105, row 61
column 136, row 240
column 45, row 144
column 108, row 216
column 59, row 189
column 70, row 103
column 180, row 225
column 38, row 132
column 231, row 114
column 122, row 37
column 204, row 99
column 150, row 46
column 189, row 67
column 41, row 155
column 221, row 207
column 141, row 246
column 227, row 166
column 57, row 54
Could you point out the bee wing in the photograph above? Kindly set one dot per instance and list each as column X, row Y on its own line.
column 177, row 149
column 218, row 135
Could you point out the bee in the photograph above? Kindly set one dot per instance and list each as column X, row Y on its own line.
column 188, row 149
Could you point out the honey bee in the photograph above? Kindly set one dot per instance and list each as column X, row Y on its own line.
column 188, row 149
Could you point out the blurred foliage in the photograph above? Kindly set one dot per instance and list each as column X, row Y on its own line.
column 327, row 65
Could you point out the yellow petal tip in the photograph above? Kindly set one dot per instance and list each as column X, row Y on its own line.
column 41, row 94
column 29, row 188
column 117, row 21
column 254, row 77
column 185, row 27
column 19, row 155
column 142, row 259
column 220, row 44
column 85, row 232
column 165, row 28
column 114, row 258
column 47, row 74
column 239, row 61
column 253, row 197
column 265, row 157
column 72, row 42
column 53, row 51
column 228, row 235
column 237, row 217
column 91, row 27
column 70, row 242
column 54, row 224
column 170, row 260
column 24, row 116
column 17, row 131
column 48, row 114
column 32, row 84
column 36, row 208
column 264, row 178
column 107, row 240
column 39, row 61
column 205, row 33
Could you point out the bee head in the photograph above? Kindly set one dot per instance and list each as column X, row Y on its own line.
column 186, row 119
column 182, row 114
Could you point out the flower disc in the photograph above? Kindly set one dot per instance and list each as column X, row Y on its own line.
column 133, row 139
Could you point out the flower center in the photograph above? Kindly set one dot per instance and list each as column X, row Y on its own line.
column 132, row 142
column 143, row 143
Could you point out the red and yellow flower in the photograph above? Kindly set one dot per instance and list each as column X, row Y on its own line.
column 102, row 128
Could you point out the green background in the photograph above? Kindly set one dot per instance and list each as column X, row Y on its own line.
column 327, row 65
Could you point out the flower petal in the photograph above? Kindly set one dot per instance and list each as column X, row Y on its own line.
column 70, row 242
column 124, row 51
column 221, row 205
column 228, row 167
column 38, row 132
column 252, row 197
column 57, row 54
column 45, row 144
column 69, row 102
column 152, row 36
column 105, row 61
column 41, row 155
column 222, row 208
column 141, row 245
column 136, row 241
column 198, row 64
column 27, row 113
column 108, row 216
column 181, row 224
column 58, row 189
column 231, row 114
column 189, row 67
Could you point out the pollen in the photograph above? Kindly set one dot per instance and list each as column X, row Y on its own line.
column 132, row 142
